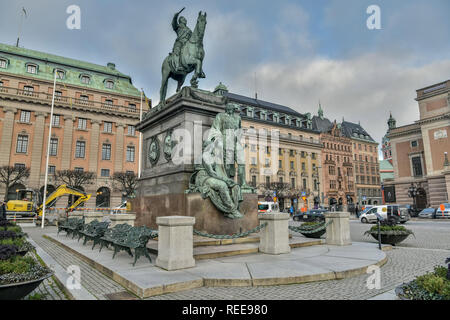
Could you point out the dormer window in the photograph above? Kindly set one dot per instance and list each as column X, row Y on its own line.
column 109, row 84
column 85, row 79
column 60, row 74
column 32, row 68
column 3, row 63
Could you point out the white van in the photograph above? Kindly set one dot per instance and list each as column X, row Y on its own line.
column 268, row 207
column 393, row 209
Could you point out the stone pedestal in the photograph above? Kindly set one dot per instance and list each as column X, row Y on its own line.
column 207, row 217
column 274, row 238
column 186, row 116
column 120, row 218
column 338, row 231
column 89, row 217
column 175, row 242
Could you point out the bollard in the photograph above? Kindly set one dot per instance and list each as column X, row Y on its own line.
column 274, row 238
column 338, row 228
column 175, row 242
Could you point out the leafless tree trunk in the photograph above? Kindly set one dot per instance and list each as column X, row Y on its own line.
column 10, row 175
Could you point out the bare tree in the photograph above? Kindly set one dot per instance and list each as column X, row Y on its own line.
column 10, row 175
column 125, row 182
column 75, row 178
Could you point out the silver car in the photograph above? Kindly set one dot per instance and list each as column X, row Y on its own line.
column 428, row 213
column 443, row 213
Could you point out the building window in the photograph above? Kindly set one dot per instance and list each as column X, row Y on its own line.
column 291, row 153
column 280, row 164
column 313, row 156
column 19, row 165
column 414, row 144
column 267, row 180
column 25, row 116
column 82, row 123
column 293, row 183
column 28, row 90
column 303, row 166
column 253, row 181
column 109, row 102
column 1, row 83
column 80, row 149
column 31, row 68
column 416, row 166
column 85, row 79
column 3, row 63
column 292, row 165
column 109, row 84
column 53, row 146
column 132, row 106
column 107, row 127
column 252, row 147
column 268, row 150
column 84, row 99
column 131, row 130
column 51, row 169
column 280, row 151
column 130, row 154
column 55, row 120
column 79, row 169
column 22, row 144
column 304, row 184
column 60, row 74
column 303, row 154
column 105, row 172
column 267, row 164
column 280, row 179
column 106, row 151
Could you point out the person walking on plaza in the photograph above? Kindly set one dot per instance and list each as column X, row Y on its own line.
column 291, row 211
column 357, row 211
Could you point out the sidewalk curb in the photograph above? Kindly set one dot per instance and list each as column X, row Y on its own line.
column 61, row 275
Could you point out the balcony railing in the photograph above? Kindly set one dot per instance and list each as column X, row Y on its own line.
column 67, row 101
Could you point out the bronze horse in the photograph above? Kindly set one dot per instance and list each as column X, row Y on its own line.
column 191, row 58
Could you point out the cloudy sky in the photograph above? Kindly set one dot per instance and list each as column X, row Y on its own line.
column 300, row 51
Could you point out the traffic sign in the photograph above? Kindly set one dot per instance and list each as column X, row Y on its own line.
column 364, row 197
column 295, row 200
column 303, row 194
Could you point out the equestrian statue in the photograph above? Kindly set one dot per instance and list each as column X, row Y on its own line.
column 186, row 56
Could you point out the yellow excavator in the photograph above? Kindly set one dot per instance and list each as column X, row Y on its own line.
column 27, row 199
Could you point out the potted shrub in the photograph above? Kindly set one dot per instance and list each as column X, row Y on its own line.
column 431, row 286
column 313, row 229
column 390, row 234
column 19, row 275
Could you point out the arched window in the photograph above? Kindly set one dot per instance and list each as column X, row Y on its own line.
column 85, row 79
column 102, row 199
column 109, row 84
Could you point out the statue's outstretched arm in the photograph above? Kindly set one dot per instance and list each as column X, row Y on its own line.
column 175, row 20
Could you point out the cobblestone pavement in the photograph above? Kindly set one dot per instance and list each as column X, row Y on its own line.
column 47, row 290
column 414, row 257
column 94, row 281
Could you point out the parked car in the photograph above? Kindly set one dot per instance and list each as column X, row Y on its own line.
column 428, row 213
column 369, row 216
column 267, row 207
column 310, row 215
column 412, row 211
column 443, row 213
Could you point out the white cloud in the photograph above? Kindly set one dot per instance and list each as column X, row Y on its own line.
column 364, row 88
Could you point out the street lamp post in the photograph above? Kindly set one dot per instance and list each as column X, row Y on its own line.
column 412, row 193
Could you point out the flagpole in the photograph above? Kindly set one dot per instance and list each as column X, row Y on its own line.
column 48, row 150
column 140, row 137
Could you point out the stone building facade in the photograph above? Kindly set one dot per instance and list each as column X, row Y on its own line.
column 419, row 150
column 295, row 161
column 95, row 111
column 365, row 164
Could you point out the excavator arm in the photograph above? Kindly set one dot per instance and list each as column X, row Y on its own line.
column 65, row 190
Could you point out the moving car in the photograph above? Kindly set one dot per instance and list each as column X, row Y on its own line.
column 310, row 215
column 443, row 213
column 428, row 213
column 385, row 210
column 267, row 207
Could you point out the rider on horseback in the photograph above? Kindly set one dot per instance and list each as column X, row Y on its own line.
column 183, row 35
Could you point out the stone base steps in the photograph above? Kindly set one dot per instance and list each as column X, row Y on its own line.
column 212, row 249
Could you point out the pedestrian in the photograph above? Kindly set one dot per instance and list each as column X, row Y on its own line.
column 357, row 211
column 2, row 211
column 291, row 210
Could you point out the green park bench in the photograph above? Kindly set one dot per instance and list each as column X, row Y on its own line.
column 117, row 232
column 93, row 231
column 71, row 225
column 136, row 238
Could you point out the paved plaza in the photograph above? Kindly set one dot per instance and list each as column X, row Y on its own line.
column 413, row 257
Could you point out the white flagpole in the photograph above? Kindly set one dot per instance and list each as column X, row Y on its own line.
column 48, row 150
column 140, row 137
